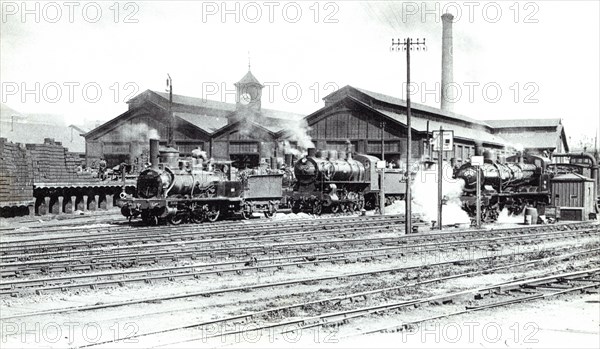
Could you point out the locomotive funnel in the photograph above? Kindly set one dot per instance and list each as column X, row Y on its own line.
column 312, row 152
column 154, row 154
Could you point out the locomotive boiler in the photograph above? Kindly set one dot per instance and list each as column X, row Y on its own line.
column 521, row 181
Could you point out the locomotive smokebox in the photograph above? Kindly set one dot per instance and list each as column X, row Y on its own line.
column 312, row 152
column 154, row 153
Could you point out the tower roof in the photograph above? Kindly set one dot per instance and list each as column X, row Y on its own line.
column 248, row 79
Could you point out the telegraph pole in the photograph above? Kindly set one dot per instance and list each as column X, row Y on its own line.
column 440, row 177
column 407, row 45
column 170, row 125
column 381, row 190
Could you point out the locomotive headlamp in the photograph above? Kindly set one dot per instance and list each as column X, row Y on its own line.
column 303, row 160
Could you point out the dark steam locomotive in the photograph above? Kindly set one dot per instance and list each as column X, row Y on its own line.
column 523, row 180
column 195, row 189
column 337, row 181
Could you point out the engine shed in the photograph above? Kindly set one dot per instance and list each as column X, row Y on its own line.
column 242, row 132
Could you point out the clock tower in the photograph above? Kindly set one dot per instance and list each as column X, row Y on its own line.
column 248, row 92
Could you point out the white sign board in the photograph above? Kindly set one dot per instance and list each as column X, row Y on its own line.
column 448, row 140
column 477, row 160
column 380, row 164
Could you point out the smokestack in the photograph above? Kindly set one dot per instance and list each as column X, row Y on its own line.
column 154, row 154
column 311, row 152
column 447, row 63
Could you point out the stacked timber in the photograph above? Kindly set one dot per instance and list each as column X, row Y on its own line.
column 16, row 175
column 53, row 163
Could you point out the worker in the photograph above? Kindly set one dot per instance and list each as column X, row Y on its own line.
column 102, row 169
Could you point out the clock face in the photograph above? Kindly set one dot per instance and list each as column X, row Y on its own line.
column 245, row 98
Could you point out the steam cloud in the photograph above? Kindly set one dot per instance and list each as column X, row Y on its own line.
column 138, row 132
column 298, row 132
column 425, row 195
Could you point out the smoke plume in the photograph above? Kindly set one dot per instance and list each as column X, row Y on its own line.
column 425, row 195
column 139, row 132
column 298, row 132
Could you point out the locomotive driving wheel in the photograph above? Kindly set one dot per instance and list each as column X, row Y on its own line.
column 176, row 219
column 353, row 207
column 212, row 213
column 150, row 219
column 317, row 208
column 335, row 208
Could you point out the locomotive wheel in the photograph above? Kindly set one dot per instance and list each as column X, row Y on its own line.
column 268, row 214
column 352, row 207
column 213, row 213
column 247, row 211
column 296, row 209
column 197, row 217
column 176, row 219
column 335, row 208
column 344, row 208
column 151, row 220
column 317, row 208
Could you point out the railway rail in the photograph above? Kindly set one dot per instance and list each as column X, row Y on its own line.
column 338, row 318
column 101, row 237
column 276, row 254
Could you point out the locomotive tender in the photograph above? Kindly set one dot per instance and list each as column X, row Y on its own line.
column 195, row 189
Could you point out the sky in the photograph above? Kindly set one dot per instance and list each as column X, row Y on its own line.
column 83, row 60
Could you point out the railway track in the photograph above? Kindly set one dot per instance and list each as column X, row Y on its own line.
column 117, row 237
column 273, row 253
column 509, row 293
column 118, row 222
column 95, row 280
column 355, row 302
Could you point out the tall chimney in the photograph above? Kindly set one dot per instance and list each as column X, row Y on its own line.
column 447, row 63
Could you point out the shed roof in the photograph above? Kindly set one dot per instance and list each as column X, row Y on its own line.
column 206, row 123
column 197, row 102
column 420, row 124
column 532, row 139
column 571, row 177
column 402, row 103
column 510, row 123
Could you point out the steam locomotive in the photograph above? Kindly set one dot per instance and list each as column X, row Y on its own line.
column 195, row 189
column 336, row 181
column 522, row 180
